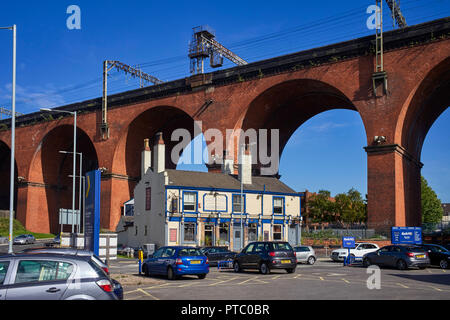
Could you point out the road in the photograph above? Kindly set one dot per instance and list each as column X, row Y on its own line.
column 324, row 280
column 18, row 248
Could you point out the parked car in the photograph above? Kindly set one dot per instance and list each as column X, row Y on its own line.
column 400, row 256
column 176, row 261
column 305, row 254
column 216, row 254
column 53, row 277
column 55, row 242
column 24, row 239
column 266, row 256
column 359, row 251
column 118, row 289
column 439, row 255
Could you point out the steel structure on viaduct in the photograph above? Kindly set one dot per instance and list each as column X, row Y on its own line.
column 282, row 93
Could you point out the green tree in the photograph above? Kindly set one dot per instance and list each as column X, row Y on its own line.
column 432, row 210
column 321, row 208
column 350, row 207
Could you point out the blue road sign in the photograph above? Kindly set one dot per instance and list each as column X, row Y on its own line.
column 92, row 212
column 406, row 235
column 348, row 242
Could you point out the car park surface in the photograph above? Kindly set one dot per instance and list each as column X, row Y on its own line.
column 323, row 280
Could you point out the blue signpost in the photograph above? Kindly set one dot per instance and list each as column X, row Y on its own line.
column 348, row 243
column 92, row 212
column 406, row 235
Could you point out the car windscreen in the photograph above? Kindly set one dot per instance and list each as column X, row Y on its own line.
column 281, row 246
column 188, row 252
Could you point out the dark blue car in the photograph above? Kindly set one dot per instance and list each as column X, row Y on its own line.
column 176, row 261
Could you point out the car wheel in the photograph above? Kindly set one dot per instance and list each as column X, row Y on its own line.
column 170, row 274
column 311, row 260
column 145, row 269
column 263, row 268
column 291, row 270
column 443, row 264
column 236, row 267
column 401, row 265
column 366, row 262
column 201, row 276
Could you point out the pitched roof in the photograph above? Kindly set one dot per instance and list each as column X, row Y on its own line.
column 214, row 180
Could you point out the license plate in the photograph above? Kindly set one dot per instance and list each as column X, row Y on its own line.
column 196, row 261
column 285, row 261
column 421, row 256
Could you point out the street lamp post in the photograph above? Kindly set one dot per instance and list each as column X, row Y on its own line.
column 81, row 173
column 13, row 138
column 74, row 113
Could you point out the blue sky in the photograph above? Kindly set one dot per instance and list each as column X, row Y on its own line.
column 58, row 66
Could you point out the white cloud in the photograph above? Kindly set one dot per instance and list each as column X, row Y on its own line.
column 32, row 98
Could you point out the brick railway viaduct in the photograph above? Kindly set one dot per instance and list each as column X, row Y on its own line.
column 282, row 92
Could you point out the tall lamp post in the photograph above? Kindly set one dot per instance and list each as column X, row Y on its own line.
column 74, row 113
column 13, row 138
column 79, row 190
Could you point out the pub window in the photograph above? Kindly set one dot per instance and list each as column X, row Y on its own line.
column 252, row 231
column 148, row 198
column 237, row 202
column 190, row 201
column 278, row 205
column 277, row 235
column 224, row 232
column 189, row 232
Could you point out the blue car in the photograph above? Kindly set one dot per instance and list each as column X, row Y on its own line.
column 176, row 261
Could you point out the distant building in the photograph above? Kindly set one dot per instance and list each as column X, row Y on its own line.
column 174, row 207
column 446, row 215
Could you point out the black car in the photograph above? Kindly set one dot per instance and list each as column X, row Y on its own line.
column 266, row 256
column 216, row 254
column 439, row 255
column 398, row 256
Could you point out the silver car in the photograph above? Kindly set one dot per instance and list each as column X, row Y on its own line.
column 305, row 254
column 53, row 277
column 24, row 239
column 118, row 289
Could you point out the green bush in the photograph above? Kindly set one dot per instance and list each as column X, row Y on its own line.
column 19, row 229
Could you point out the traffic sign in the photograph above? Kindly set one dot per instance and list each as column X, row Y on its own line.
column 348, row 242
column 406, row 235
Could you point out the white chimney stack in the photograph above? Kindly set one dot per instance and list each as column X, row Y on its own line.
column 245, row 166
column 146, row 158
column 159, row 151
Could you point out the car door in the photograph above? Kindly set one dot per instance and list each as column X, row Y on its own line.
column 39, row 279
column 166, row 260
column 256, row 255
column 302, row 253
column 381, row 256
column 245, row 256
column 152, row 263
column 5, row 266
column 213, row 255
column 433, row 253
